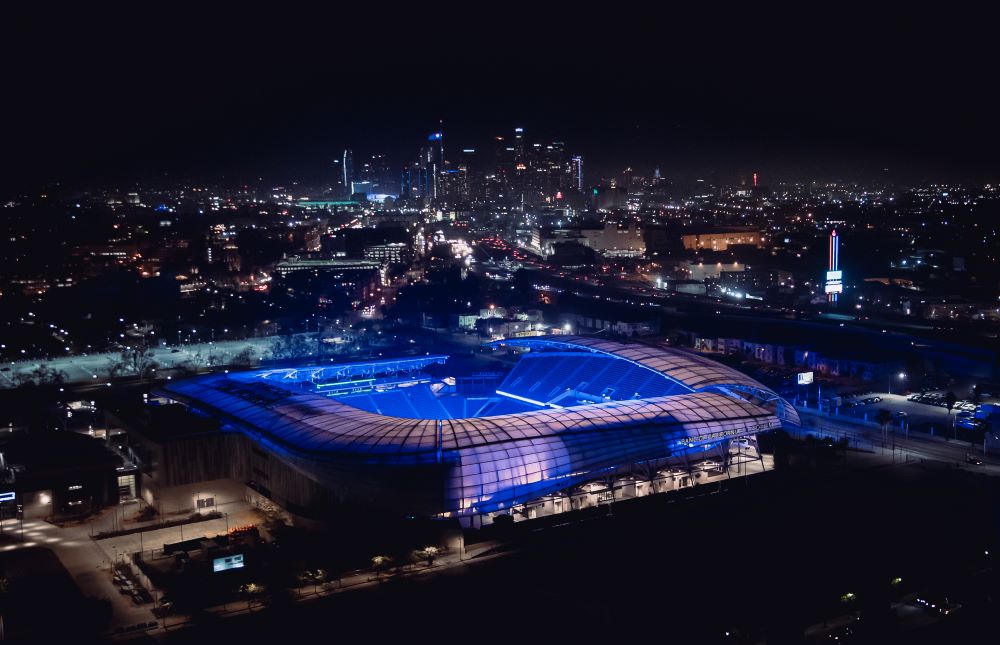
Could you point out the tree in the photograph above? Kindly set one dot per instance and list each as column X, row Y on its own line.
column 46, row 375
column 252, row 591
column 949, row 400
column 428, row 553
column 290, row 346
column 380, row 563
column 244, row 358
column 883, row 417
column 133, row 360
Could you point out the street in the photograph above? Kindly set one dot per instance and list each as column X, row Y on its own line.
column 868, row 435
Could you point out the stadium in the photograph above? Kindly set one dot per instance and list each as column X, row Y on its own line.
column 573, row 415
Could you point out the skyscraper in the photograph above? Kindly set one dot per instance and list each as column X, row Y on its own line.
column 434, row 160
column 347, row 167
column 429, row 167
column 376, row 175
column 470, row 180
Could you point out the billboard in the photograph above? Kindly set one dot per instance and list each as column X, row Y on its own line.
column 804, row 378
column 227, row 563
column 834, row 282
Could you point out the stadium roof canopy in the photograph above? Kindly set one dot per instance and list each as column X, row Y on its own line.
column 493, row 462
column 683, row 367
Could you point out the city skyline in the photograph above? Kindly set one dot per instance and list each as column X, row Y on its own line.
column 502, row 322
column 812, row 106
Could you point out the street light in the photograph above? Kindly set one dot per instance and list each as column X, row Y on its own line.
column 902, row 377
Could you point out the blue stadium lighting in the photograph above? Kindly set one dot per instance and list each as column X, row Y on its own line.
column 346, row 370
column 568, row 346
column 527, row 400
column 570, row 411
column 364, row 381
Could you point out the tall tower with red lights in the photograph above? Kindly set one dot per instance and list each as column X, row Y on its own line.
column 834, row 284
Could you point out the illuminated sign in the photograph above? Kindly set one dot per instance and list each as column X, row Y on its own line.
column 227, row 563
column 834, row 282
column 804, row 378
column 8, row 496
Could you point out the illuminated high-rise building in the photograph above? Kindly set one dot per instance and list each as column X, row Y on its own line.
column 576, row 166
column 424, row 178
column 519, row 144
column 469, row 184
column 347, row 168
column 432, row 164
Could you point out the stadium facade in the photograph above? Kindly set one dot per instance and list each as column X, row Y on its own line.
column 572, row 410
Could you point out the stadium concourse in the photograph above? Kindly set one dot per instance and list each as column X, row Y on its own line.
column 576, row 422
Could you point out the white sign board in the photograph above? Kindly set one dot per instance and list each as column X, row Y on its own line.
column 227, row 563
column 804, row 378
column 834, row 282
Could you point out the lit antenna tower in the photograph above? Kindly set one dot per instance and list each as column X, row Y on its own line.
column 834, row 276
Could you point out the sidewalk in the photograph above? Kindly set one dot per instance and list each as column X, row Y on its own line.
column 89, row 560
column 356, row 580
column 86, row 562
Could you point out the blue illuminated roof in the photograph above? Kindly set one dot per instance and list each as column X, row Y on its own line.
column 649, row 404
column 264, row 400
column 316, row 423
column 689, row 370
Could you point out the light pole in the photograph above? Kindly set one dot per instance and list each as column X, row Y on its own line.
column 902, row 378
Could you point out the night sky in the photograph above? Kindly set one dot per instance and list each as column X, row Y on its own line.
column 94, row 101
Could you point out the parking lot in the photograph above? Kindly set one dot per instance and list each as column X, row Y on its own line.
column 910, row 412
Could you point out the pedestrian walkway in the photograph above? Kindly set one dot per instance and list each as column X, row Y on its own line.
column 89, row 561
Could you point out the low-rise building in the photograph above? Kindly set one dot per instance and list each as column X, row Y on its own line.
column 720, row 239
